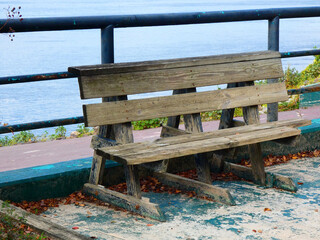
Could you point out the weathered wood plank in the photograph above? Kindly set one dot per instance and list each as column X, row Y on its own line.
column 174, row 121
column 99, row 142
column 281, row 182
column 237, row 123
column 139, row 109
column 105, row 136
column 155, row 151
column 97, row 86
column 193, row 124
column 128, row 202
column 97, row 167
column 272, row 179
column 167, row 131
column 226, row 121
column 290, row 141
column 171, row 63
column 202, row 189
column 132, row 180
column 210, row 135
column 294, row 123
column 227, row 114
column 251, row 116
column 42, row 224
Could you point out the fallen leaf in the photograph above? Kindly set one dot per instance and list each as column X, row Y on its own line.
column 149, row 225
column 316, row 210
column 137, row 207
column 75, row 228
column 254, row 230
column 300, row 183
column 82, row 205
column 259, row 231
column 267, row 210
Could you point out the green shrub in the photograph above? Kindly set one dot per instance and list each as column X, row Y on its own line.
column 151, row 123
column 311, row 72
column 84, row 130
column 292, row 78
column 60, row 132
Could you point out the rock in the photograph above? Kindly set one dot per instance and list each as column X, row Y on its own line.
column 74, row 134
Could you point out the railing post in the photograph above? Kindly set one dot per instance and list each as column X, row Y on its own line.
column 107, row 56
column 107, row 45
column 273, row 44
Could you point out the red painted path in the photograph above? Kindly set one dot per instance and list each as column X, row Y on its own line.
column 42, row 153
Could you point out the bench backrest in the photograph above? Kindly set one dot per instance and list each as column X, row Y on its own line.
column 109, row 80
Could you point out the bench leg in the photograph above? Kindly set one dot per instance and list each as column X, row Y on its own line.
column 140, row 206
column 203, row 168
column 257, row 164
column 132, row 180
column 97, row 168
column 202, row 189
column 251, row 116
column 271, row 180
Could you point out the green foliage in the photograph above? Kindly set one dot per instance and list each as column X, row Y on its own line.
column 60, row 132
column 22, row 137
column 290, row 105
column 312, row 71
column 216, row 115
column 292, row 78
column 84, row 131
column 295, row 79
column 151, row 123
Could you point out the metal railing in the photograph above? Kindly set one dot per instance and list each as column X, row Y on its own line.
column 108, row 23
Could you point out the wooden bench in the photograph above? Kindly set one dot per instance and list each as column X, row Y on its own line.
column 113, row 82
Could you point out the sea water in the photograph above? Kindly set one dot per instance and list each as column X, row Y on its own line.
column 42, row 52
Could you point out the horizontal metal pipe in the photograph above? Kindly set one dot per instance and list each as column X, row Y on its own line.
column 61, row 75
column 300, row 53
column 308, row 89
column 35, row 77
column 41, row 124
column 121, row 21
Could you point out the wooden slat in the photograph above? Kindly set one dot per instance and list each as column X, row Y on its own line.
column 167, row 131
column 155, row 151
column 101, row 69
column 140, row 109
column 97, row 86
column 272, row 179
column 211, row 135
column 128, row 202
column 202, row 189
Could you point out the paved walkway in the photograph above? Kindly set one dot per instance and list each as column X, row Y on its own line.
column 259, row 213
column 36, row 154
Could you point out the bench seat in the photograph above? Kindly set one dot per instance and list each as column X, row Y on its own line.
column 183, row 145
